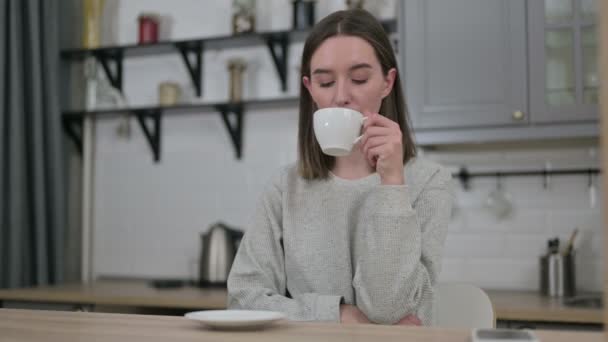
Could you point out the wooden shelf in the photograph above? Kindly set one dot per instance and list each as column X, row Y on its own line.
column 191, row 50
column 150, row 119
column 217, row 42
column 180, row 108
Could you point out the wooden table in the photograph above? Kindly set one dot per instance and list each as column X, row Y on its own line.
column 508, row 305
column 59, row 326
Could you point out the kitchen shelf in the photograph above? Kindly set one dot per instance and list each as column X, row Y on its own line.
column 276, row 41
column 191, row 50
column 150, row 119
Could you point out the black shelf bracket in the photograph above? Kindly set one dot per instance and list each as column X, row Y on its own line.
column 234, row 129
column 114, row 76
column 73, row 128
column 152, row 134
column 195, row 68
column 278, row 45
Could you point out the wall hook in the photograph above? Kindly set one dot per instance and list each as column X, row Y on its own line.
column 464, row 177
column 498, row 181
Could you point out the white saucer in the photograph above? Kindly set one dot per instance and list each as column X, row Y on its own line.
column 225, row 319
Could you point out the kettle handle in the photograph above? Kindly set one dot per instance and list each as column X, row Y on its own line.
column 236, row 236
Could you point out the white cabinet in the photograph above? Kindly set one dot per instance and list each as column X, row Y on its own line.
column 563, row 47
column 465, row 62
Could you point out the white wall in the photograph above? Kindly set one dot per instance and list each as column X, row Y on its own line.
column 148, row 216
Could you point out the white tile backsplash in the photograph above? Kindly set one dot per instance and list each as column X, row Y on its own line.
column 503, row 253
column 502, row 273
column 459, row 245
column 148, row 217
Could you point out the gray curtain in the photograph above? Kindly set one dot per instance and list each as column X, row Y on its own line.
column 32, row 178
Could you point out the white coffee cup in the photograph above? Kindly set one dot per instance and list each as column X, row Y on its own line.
column 337, row 129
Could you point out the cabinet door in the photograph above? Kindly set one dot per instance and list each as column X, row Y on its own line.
column 564, row 77
column 465, row 62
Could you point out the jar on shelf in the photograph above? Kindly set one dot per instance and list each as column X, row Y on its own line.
column 148, row 28
column 236, row 67
column 168, row 93
column 92, row 10
column 355, row 4
column 303, row 14
column 243, row 16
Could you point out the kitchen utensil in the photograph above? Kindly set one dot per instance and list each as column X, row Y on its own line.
column 553, row 246
column 219, row 247
column 235, row 319
column 592, row 191
column 497, row 201
column 570, row 245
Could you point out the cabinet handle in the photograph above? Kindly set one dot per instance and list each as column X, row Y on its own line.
column 518, row 115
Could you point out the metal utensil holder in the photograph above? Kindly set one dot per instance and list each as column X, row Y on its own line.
column 557, row 275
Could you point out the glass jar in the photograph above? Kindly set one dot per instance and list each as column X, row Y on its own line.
column 148, row 28
column 92, row 10
column 243, row 16
column 168, row 93
column 355, row 4
column 236, row 67
column 303, row 14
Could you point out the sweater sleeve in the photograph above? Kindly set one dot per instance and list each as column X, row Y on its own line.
column 401, row 249
column 257, row 279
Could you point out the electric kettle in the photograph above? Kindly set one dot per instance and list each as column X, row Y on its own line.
column 219, row 246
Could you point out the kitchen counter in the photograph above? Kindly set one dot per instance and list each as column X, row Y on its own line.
column 131, row 293
column 531, row 306
column 508, row 305
column 54, row 326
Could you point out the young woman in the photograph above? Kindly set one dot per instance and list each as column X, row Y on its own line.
column 355, row 238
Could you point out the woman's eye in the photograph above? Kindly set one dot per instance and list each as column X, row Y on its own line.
column 359, row 81
column 326, row 84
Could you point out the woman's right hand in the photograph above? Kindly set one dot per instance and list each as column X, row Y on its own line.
column 351, row 314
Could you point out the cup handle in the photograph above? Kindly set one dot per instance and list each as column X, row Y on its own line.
column 361, row 136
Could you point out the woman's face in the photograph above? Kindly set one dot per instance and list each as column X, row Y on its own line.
column 345, row 72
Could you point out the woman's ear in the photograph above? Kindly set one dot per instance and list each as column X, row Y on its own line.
column 308, row 85
column 389, row 81
column 306, row 82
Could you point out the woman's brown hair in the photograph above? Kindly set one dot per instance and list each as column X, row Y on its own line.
column 312, row 163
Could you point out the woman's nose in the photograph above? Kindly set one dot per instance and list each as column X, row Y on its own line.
column 342, row 97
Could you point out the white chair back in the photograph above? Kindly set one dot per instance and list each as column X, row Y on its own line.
column 463, row 306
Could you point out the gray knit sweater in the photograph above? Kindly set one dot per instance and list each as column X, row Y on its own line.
column 316, row 244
